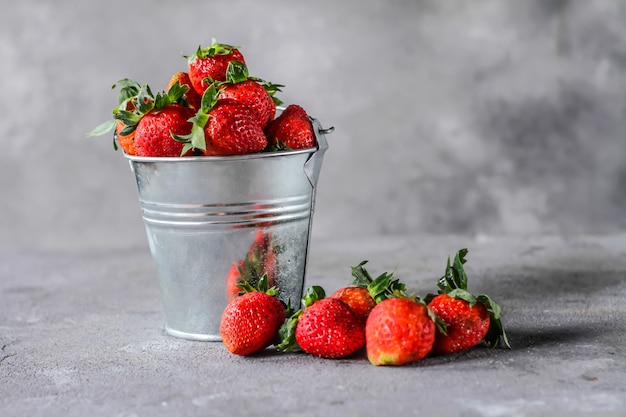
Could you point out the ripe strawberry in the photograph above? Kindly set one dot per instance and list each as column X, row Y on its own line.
column 209, row 64
column 223, row 127
column 233, row 129
column 398, row 331
column 325, row 327
column 466, row 325
column 153, row 135
column 365, row 292
column 292, row 129
column 329, row 329
column 468, row 319
column 251, row 321
column 253, row 92
column 358, row 299
column 191, row 96
column 259, row 261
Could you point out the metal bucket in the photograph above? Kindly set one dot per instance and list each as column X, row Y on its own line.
column 211, row 219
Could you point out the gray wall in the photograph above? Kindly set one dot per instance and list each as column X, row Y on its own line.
column 481, row 117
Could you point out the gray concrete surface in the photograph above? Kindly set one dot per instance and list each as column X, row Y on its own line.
column 492, row 117
column 81, row 335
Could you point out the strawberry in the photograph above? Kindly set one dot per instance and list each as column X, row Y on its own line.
column 150, row 121
column 233, row 129
column 365, row 292
column 292, row 129
column 153, row 135
column 209, row 64
column 191, row 96
column 253, row 92
column 399, row 330
column 469, row 320
column 251, row 321
column 325, row 327
column 358, row 299
column 223, row 127
column 259, row 261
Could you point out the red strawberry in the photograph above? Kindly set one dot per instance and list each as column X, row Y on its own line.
column 191, row 96
column 259, row 261
column 153, row 135
column 251, row 321
column 468, row 319
column 325, row 327
column 232, row 129
column 209, row 64
column 399, row 331
column 330, row 329
column 358, row 299
column 292, row 129
column 466, row 325
column 252, row 94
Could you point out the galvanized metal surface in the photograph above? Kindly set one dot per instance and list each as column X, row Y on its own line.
column 204, row 215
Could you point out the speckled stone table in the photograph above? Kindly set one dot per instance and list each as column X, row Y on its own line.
column 81, row 334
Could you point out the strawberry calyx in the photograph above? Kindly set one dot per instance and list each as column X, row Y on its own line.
column 287, row 332
column 213, row 49
column 381, row 287
column 237, row 72
column 454, row 284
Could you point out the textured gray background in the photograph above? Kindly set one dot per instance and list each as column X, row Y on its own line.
column 482, row 117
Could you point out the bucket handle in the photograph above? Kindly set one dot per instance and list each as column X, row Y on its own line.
column 313, row 165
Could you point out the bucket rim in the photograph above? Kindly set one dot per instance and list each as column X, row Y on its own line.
column 206, row 158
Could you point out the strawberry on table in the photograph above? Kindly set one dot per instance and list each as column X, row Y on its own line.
column 399, row 330
column 325, row 327
column 210, row 63
column 469, row 319
column 251, row 321
column 365, row 292
column 358, row 299
column 292, row 129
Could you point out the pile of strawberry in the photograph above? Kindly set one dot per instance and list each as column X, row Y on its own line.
column 375, row 314
column 213, row 108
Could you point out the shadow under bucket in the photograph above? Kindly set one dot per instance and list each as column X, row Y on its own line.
column 210, row 220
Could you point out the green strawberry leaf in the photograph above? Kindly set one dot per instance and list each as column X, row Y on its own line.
column 236, row 72
column 128, row 90
column 103, row 128
column 176, row 93
column 313, row 294
column 465, row 295
column 145, row 100
column 287, row 334
column 209, row 99
column 362, row 278
column 454, row 276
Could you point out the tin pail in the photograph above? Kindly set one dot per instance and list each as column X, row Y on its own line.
column 210, row 220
